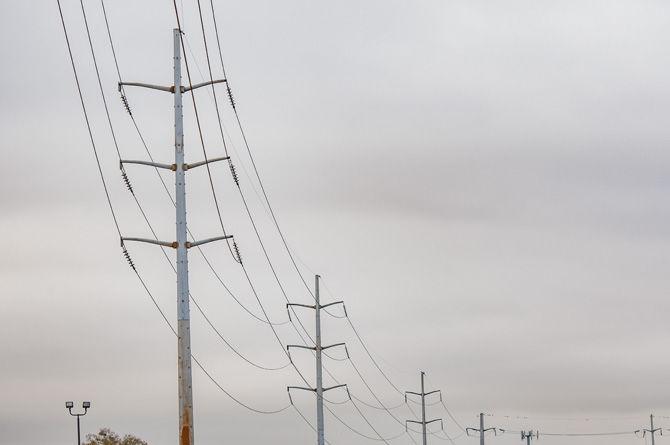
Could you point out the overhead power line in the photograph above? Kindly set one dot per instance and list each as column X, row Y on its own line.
column 318, row 349
column 423, row 422
column 481, row 431
column 235, row 350
column 116, row 222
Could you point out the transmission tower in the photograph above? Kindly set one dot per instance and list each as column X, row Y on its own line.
column 529, row 435
column 651, row 430
column 423, row 421
column 318, row 349
column 481, row 430
column 181, row 245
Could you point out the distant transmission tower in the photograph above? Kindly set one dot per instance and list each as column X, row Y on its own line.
column 181, row 244
column 651, row 430
column 481, row 430
column 318, row 348
column 529, row 435
column 423, row 421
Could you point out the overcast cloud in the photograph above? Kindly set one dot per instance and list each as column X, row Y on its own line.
column 483, row 182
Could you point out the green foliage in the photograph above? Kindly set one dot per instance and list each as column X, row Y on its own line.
column 108, row 437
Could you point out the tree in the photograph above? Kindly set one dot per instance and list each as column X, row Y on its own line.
column 108, row 437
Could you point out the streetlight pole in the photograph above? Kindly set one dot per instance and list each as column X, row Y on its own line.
column 86, row 405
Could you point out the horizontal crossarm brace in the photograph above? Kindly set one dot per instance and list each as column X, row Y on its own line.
column 203, row 84
column 432, row 392
column 323, row 306
column 173, row 244
column 151, row 164
column 205, row 241
column 169, row 89
column 208, row 161
column 301, row 305
column 288, row 388
column 414, row 393
column 332, row 346
column 299, row 346
column 343, row 385
column 434, row 420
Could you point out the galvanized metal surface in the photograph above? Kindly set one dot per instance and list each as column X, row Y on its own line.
column 318, row 348
column 183, row 311
column 207, row 240
column 423, row 408
column 152, row 164
column 319, row 370
column 146, row 85
column 172, row 244
column 481, row 428
column 208, row 161
column 202, row 84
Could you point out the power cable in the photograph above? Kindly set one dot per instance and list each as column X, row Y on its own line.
column 451, row 416
column 116, row 224
column 302, row 416
column 88, row 123
column 568, row 419
column 246, row 206
column 160, row 177
column 269, row 206
column 144, row 215
column 609, row 433
column 202, row 139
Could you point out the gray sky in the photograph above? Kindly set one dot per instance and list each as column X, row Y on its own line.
column 482, row 182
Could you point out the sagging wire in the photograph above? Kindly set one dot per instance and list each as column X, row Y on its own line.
column 116, row 223
column 160, row 177
column 199, row 126
column 248, row 211
column 125, row 177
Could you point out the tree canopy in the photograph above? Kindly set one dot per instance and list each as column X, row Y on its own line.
column 108, row 437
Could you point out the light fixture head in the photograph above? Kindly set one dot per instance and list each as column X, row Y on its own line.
column 69, row 405
column 86, row 405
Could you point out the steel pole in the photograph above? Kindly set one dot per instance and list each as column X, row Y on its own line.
column 78, row 432
column 481, row 428
column 423, row 410
column 183, row 312
column 653, row 433
column 319, row 376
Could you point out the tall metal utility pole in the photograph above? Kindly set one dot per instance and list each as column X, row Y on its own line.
column 318, row 349
column 182, row 244
column 651, row 430
column 529, row 435
column 423, row 395
column 481, row 430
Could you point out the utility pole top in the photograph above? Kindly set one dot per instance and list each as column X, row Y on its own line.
column 318, row 349
column 481, row 431
column 651, row 430
column 423, row 422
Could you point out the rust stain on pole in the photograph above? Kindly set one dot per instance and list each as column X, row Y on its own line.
column 185, row 436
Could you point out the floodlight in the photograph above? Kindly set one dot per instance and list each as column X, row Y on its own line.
column 69, row 405
column 86, row 405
